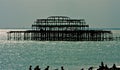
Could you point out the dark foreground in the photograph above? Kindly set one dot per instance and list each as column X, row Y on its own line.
column 101, row 67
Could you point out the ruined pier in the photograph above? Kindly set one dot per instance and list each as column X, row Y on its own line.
column 60, row 28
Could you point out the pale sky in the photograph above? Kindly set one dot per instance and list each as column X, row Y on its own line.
column 22, row 13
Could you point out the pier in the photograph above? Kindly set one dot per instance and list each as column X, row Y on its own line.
column 60, row 28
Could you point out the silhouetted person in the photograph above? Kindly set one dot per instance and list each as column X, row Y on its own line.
column 102, row 67
column 37, row 68
column 47, row 68
column 114, row 66
column 82, row 69
column 91, row 68
column 30, row 68
column 62, row 68
column 106, row 67
column 102, row 64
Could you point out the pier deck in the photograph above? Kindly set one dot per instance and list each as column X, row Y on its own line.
column 81, row 35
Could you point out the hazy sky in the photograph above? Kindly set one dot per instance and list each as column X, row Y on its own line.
column 22, row 13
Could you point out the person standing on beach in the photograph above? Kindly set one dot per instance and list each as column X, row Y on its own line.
column 62, row 68
column 82, row 69
column 37, row 68
column 30, row 68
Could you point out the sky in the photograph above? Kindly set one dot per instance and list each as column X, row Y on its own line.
column 23, row 13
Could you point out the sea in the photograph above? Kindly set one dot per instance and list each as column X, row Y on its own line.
column 19, row 55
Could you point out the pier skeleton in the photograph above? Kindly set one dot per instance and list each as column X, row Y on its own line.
column 60, row 28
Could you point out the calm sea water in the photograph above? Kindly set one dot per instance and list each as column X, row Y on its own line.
column 19, row 55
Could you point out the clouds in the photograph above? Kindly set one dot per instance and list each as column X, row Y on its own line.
column 23, row 12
